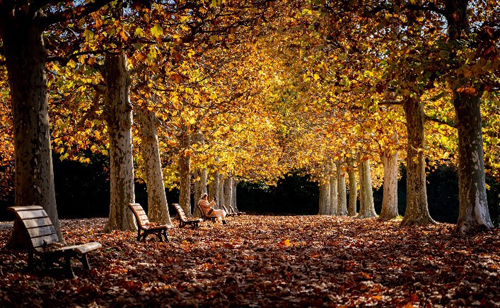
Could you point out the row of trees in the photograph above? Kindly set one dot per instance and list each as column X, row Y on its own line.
column 223, row 89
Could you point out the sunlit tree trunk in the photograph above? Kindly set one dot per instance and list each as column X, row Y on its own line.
column 200, row 187
column 474, row 212
column 25, row 60
column 324, row 199
column 417, row 209
column 228, row 192
column 221, row 197
column 390, row 198
column 234, row 199
column 185, row 173
column 367, row 208
column 353, row 190
column 214, row 188
column 118, row 114
column 157, row 199
column 334, row 196
column 341, row 192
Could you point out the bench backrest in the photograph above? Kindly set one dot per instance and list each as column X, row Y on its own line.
column 202, row 213
column 180, row 211
column 140, row 215
column 37, row 224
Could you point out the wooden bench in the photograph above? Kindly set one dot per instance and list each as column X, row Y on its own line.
column 183, row 220
column 231, row 212
column 43, row 239
column 204, row 216
column 144, row 225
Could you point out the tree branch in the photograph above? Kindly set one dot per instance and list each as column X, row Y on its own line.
column 440, row 121
column 73, row 13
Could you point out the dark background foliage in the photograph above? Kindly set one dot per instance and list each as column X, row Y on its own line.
column 82, row 191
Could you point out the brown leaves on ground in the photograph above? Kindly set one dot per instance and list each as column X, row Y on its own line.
column 267, row 261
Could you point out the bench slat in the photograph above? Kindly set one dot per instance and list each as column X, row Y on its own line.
column 25, row 208
column 37, row 222
column 38, row 242
column 41, row 231
column 32, row 214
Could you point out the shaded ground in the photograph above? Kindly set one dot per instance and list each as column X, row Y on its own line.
column 267, row 261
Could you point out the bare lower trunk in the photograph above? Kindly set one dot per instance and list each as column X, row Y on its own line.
column 200, row 187
column 367, row 209
column 221, row 191
column 417, row 209
column 334, row 196
column 235, row 200
column 353, row 191
column 390, row 199
column 214, row 189
column 26, row 58
column 118, row 113
column 474, row 212
column 228, row 192
column 324, row 199
column 157, row 199
column 185, row 174
column 341, row 192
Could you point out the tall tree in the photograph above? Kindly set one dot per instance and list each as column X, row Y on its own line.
column 157, row 199
column 118, row 115
column 21, row 29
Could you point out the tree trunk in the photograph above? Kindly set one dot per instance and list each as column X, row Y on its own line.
column 185, row 174
column 221, row 197
column 474, row 212
column 200, row 187
column 341, row 191
column 118, row 113
column 334, row 196
column 390, row 199
column 214, row 188
column 324, row 199
column 228, row 192
column 367, row 209
column 417, row 209
column 26, row 58
column 353, row 191
column 157, row 199
column 234, row 199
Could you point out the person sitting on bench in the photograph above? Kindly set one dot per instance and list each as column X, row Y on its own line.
column 209, row 211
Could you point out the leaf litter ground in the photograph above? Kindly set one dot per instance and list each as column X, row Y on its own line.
column 262, row 261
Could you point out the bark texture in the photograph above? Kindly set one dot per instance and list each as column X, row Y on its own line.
column 334, row 196
column 235, row 195
column 367, row 208
column 390, row 199
column 228, row 191
column 417, row 209
column 474, row 212
column 26, row 59
column 353, row 191
column 341, row 192
column 157, row 199
column 118, row 114
column 214, row 188
column 200, row 187
column 221, row 191
column 324, row 199
column 185, row 174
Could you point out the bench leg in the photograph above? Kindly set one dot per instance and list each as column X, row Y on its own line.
column 31, row 261
column 67, row 265
column 85, row 261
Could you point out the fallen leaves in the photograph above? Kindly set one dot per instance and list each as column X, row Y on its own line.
column 268, row 260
